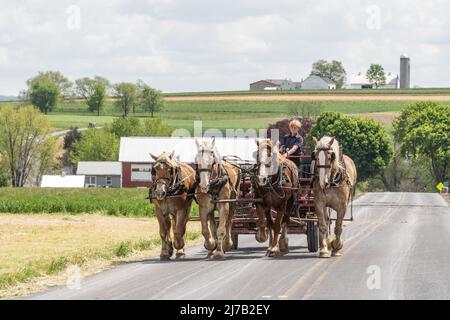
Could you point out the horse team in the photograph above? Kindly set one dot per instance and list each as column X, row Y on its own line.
column 215, row 185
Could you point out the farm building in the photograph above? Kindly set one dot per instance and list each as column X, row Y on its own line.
column 273, row 84
column 101, row 174
column 137, row 163
column 62, row 181
column 316, row 83
column 360, row 81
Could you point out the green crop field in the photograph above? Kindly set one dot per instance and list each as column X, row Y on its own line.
column 217, row 114
column 122, row 202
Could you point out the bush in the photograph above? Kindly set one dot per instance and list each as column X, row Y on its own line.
column 364, row 140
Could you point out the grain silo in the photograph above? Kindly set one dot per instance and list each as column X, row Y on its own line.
column 405, row 71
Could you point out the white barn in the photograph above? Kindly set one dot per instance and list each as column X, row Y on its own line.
column 317, row 83
column 360, row 81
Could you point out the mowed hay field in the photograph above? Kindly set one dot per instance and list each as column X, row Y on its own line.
column 56, row 233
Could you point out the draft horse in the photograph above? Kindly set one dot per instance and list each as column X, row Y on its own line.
column 218, row 186
column 333, row 185
column 276, row 183
column 172, row 194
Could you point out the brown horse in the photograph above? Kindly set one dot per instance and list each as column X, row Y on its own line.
column 334, row 184
column 172, row 194
column 276, row 185
column 218, row 181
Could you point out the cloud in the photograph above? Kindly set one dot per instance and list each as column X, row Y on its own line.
column 201, row 45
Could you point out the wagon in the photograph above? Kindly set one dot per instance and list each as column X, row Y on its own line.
column 303, row 220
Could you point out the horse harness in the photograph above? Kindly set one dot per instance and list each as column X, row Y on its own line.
column 276, row 181
column 216, row 184
column 174, row 182
column 338, row 178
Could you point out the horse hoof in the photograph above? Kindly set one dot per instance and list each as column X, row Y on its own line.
column 210, row 246
column 336, row 253
column 180, row 256
column 227, row 246
column 324, row 254
column 217, row 256
column 261, row 237
column 335, row 246
column 164, row 257
column 274, row 253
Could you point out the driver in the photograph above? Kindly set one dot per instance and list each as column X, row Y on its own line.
column 293, row 142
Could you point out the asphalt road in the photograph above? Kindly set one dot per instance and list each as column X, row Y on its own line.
column 397, row 248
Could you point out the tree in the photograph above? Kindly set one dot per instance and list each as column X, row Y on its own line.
column 70, row 138
column 129, row 127
column 44, row 95
column 364, row 140
column 125, row 127
column 423, row 130
column 64, row 84
column 376, row 75
column 407, row 175
column 24, row 143
column 4, row 172
column 333, row 70
column 93, row 91
column 150, row 100
column 126, row 94
column 96, row 145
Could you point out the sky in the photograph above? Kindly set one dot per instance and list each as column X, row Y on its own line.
column 208, row 45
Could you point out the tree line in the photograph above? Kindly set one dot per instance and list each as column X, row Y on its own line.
column 46, row 89
column 415, row 158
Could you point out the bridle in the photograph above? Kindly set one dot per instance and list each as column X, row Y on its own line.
column 315, row 155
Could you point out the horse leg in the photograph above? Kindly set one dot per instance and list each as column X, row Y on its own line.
column 338, row 243
column 179, row 231
column 323, row 230
column 164, row 232
column 228, row 243
column 223, row 209
column 283, row 242
column 210, row 242
column 274, row 249
column 262, row 231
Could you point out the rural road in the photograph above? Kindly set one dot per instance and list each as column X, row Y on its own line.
column 397, row 248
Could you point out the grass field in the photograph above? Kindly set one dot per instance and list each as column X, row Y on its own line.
column 37, row 249
column 223, row 114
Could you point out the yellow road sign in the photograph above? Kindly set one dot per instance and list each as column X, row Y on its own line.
column 440, row 186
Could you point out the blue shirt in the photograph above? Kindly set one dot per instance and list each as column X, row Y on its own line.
column 291, row 141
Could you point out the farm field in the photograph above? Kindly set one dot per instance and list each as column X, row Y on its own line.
column 414, row 91
column 38, row 249
column 181, row 111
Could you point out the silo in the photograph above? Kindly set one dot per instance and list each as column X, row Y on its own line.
column 405, row 76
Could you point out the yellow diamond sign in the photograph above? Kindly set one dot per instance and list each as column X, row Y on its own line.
column 440, row 186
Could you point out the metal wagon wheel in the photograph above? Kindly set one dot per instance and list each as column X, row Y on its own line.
column 312, row 236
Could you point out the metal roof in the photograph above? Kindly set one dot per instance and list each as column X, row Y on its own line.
column 62, row 181
column 99, row 168
column 326, row 79
column 361, row 78
column 138, row 149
